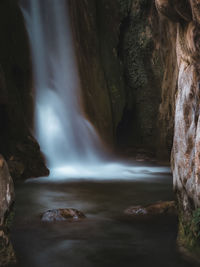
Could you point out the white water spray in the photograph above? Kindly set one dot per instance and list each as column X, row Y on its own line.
column 69, row 142
column 64, row 134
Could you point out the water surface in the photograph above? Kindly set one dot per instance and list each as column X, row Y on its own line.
column 107, row 237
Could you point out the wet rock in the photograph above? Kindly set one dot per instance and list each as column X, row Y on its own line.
column 27, row 160
column 7, row 254
column 62, row 215
column 6, row 190
column 174, row 10
column 179, row 109
column 166, row 207
column 16, row 167
column 124, row 71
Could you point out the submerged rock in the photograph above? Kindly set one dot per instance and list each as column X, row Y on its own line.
column 7, row 254
column 165, row 207
column 62, row 215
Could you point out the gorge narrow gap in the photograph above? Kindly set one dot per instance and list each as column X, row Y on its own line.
column 113, row 189
column 78, row 76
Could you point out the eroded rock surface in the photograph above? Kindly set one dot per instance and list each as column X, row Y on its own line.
column 183, row 17
column 165, row 207
column 6, row 190
column 120, row 69
column 27, row 161
column 17, row 96
column 62, row 215
column 7, row 254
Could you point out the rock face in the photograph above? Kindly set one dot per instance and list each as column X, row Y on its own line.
column 62, row 215
column 96, row 40
column 6, row 190
column 6, row 200
column 27, row 160
column 143, row 71
column 183, row 18
column 120, row 69
column 16, row 96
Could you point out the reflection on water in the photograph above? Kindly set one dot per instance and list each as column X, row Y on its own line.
column 106, row 237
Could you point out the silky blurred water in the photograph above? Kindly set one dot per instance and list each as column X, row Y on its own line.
column 107, row 237
column 65, row 136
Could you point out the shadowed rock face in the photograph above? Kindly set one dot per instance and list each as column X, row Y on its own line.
column 16, row 96
column 6, row 190
column 6, row 200
column 120, row 69
column 96, row 40
column 186, row 146
column 174, row 9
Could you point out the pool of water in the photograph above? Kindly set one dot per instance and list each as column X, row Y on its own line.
column 107, row 237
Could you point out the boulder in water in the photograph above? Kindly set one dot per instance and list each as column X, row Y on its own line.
column 163, row 207
column 62, row 215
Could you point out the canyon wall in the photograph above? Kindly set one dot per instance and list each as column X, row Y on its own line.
column 96, row 39
column 183, row 20
column 121, row 71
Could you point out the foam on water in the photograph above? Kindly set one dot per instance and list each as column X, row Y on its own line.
column 105, row 171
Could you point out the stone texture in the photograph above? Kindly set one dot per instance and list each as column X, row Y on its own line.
column 165, row 43
column 183, row 18
column 16, row 96
column 6, row 190
column 7, row 254
column 143, row 70
column 62, row 215
column 27, row 160
column 96, row 39
column 120, row 69
column 164, row 207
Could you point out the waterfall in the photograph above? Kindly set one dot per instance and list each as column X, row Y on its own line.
column 64, row 135
column 71, row 145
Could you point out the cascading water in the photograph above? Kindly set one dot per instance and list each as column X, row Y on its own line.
column 64, row 134
column 68, row 140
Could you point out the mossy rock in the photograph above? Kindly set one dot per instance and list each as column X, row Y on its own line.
column 189, row 234
column 7, row 254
